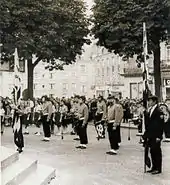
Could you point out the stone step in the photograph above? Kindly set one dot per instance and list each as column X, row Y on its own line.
column 17, row 172
column 7, row 157
column 42, row 176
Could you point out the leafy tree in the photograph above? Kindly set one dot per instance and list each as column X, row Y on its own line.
column 118, row 26
column 52, row 30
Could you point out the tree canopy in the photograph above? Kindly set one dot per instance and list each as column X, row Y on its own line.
column 49, row 29
column 118, row 26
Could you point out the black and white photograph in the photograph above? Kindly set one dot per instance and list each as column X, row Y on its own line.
column 85, row 92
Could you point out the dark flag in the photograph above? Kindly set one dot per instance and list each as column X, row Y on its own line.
column 17, row 121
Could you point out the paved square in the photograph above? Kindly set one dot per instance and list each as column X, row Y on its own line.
column 93, row 166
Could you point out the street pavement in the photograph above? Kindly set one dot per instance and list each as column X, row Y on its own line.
column 93, row 166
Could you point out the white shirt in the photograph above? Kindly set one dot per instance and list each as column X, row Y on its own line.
column 152, row 109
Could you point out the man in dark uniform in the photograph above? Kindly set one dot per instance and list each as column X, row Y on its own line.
column 154, row 134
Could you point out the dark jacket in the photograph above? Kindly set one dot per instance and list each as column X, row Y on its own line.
column 154, row 124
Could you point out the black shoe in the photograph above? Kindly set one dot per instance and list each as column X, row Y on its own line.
column 150, row 171
column 79, row 147
column 76, row 139
column 20, row 150
column 111, row 153
column 156, row 172
column 83, row 147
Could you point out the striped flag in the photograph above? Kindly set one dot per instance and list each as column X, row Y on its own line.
column 145, row 67
column 147, row 161
column 17, row 79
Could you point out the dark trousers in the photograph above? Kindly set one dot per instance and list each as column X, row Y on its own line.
column 2, row 124
column 82, row 132
column 18, row 136
column 156, row 154
column 46, row 126
column 37, row 122
column 113, row 137
column 118, row 134
column 27, row 120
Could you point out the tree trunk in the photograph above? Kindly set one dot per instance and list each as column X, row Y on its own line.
column 30, row 78
column 157, row 70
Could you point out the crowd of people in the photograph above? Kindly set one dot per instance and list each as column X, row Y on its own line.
column 55, row 113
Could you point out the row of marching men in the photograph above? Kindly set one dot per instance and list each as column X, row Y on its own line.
column 110, row 112
column 49, row 114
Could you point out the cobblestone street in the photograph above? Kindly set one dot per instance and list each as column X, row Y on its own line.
column 93, row 166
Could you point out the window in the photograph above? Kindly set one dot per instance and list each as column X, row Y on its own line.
column 168, row 52
column 83, row 89
column 102, row 71
column 51, row 75
column 52, row 86
column 118, row 67
column 35, row 85
column 83, row 69
column 98, row 72
column 65, row 87
column 73, row 86
column 108, row 70
column 36, row 75
column 113, row 69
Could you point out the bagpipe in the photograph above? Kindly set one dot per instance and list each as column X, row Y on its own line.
column 99, row 126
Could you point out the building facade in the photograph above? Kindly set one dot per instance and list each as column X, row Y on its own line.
column 96, row 72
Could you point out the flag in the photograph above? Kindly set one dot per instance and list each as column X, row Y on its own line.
column 17, row 79
column 146, row 93
column 17, row 128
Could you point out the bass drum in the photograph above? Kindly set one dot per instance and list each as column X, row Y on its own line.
column 166, row 111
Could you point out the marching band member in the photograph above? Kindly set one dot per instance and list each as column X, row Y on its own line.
column 100, row 116
column 115, row 116
column 74, row 111
column 118, row 118
column 53, row 117
column 101, row 108
column 37, row 117
column 62, row 121
column 18, row 121
column 46, row 115
column 2, row 116
column 83, row 115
